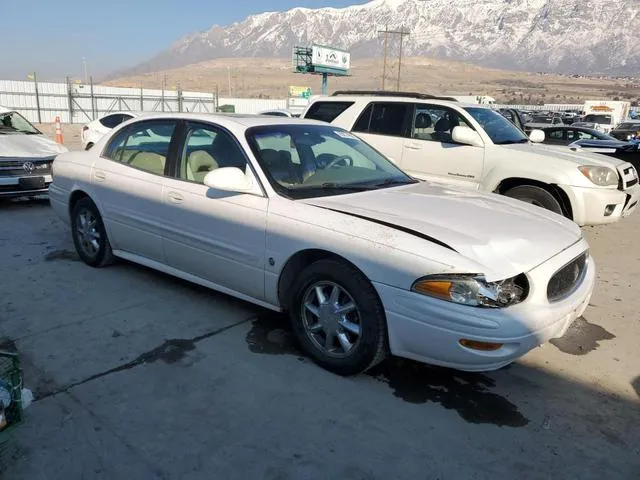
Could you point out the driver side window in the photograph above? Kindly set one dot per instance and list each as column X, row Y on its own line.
column 435, row 123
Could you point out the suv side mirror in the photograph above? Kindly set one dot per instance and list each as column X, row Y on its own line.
column 231, row 179
column 466, row 136
column 537, row 136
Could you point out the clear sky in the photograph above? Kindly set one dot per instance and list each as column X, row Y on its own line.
column 51, row 37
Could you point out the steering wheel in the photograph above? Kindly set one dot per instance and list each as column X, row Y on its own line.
column 342, row 158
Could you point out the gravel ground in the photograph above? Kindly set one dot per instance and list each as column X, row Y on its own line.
column 138, row 375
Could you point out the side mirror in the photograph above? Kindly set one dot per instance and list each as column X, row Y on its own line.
column 467, row 136
column 537, row 136
column 230, row 179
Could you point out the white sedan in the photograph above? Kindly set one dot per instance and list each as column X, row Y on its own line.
column 303, row 217
column 98, row 128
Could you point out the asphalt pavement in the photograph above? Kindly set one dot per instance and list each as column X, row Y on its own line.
column 138, row 375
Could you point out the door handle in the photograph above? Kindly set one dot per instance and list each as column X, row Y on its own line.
column 99, row 175
column 175, row 197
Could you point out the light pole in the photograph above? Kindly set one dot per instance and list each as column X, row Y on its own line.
column 86, row 72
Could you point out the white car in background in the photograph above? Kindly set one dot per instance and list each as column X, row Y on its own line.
column 304, row 217
column 93, row 131
column 475, row 147
column 280, row 113
column 26, row 156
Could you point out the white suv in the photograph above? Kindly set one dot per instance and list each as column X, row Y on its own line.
column 441, row 140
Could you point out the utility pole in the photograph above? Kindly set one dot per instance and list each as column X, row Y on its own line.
column 402, row 34
column 384, row 64
column 86, row 73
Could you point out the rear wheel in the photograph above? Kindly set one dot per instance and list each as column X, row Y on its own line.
column 89, row 145
column 536, row 196
column 89, row 234
column 338, row 318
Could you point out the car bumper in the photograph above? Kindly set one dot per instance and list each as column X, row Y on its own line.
column 429, row 330
column 14, row 186
column 590, row 204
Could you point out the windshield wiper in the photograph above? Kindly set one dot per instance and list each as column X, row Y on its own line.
column 513, row 142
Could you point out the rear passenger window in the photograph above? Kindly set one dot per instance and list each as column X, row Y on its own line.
column 144, row 146
column 111, row 121
column 384, row 118
column 327, row 111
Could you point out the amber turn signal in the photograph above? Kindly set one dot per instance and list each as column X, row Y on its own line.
column 434, row 288
column 484, row 346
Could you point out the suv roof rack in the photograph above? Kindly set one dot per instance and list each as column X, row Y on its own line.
column 383, row 93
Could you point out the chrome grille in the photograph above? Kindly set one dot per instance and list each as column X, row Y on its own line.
column 567, row 279
column 15, row 168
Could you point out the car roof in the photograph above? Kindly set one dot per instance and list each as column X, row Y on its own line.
column 120, row 112
column 384, row 98
column 244, row 120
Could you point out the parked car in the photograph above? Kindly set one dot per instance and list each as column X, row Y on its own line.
column 518, row 117
column 542, row 121
column 26, row 155
column 280, row 113
column 569, row 116
column 568, row 134
column 96, row 129
column 581, row 139
column 476, row 147
column 627, row 130
column 304, row 217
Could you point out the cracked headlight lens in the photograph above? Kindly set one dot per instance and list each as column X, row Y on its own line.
column 473, row 290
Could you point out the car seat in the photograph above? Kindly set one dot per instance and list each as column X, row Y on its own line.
column 149, row 162
column 423, row 122
column 199, row 164
column 278, row 165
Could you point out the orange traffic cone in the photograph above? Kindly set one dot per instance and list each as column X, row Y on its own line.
column 58, row 131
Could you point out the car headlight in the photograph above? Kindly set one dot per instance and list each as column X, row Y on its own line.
column 601, row 176
column 474, row 290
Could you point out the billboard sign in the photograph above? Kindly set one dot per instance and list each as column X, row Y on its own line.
column 330, row 58
column 299, row 92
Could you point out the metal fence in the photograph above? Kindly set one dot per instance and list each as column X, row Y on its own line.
column 42, row 102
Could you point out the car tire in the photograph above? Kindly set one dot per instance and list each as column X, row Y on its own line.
column 89, row 145
column 536, row 196
column 89, row 235
column 369, row 346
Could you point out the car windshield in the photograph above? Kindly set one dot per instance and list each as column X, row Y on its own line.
column 500, row 130
column 601, row 119
column 304, row 161
column 628, row 126
column 13, row 122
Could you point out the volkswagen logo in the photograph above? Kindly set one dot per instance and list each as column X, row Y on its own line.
column 28, row 167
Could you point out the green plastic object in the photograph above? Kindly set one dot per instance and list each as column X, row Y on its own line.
column 227, row 109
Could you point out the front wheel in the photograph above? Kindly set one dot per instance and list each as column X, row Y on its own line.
column 89, row 234
column 338, row 319
column 536, row 196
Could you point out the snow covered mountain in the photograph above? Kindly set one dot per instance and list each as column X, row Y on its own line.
column 564, row 36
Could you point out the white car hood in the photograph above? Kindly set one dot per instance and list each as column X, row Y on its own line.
column 28, row 146
column 507, row 236
column 565, row 153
